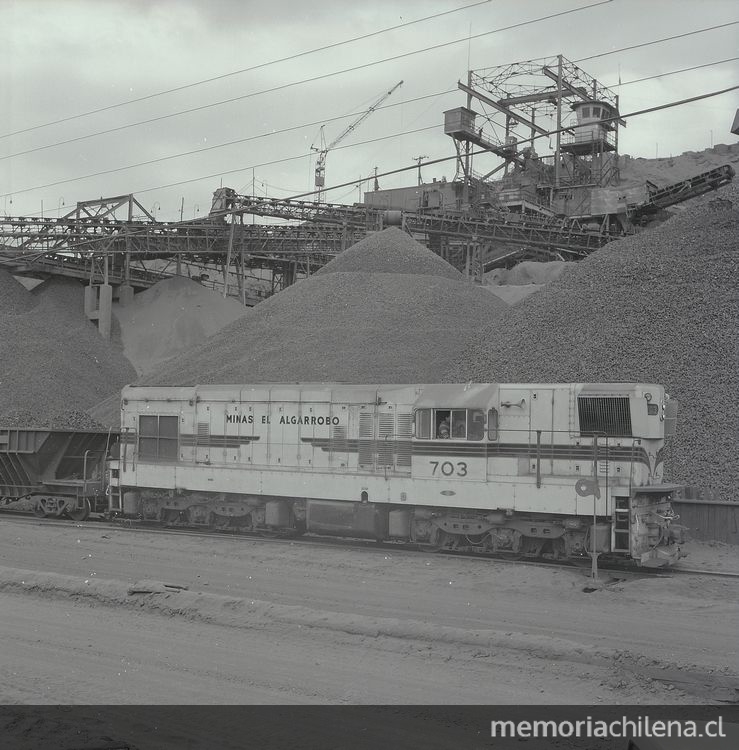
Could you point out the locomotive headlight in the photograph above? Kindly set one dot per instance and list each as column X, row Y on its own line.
column 648, row 396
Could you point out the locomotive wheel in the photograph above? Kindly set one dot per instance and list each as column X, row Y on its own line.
column 437, row 540
column 80, row 514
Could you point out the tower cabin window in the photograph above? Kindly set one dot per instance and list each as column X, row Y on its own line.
column 158, row 438
column 450, row 424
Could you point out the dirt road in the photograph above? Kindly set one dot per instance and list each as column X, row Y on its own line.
column 266, row 622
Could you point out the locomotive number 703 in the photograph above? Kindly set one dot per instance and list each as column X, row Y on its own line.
column 448, row 469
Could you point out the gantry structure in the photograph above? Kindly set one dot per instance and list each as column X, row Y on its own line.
column 554, row 130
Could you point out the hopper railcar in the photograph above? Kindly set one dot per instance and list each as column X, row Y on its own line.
column 62, row 471
column 556, row 470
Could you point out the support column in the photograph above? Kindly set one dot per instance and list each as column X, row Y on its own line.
column 227, row 265
column 125, row 294
column 105, row 310
column 557, row 153
column 91, row 301
column 98, row 303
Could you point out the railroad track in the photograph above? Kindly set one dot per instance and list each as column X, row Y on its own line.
column 381, row 547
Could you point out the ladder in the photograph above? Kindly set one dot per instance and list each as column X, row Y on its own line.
column 115, row 497
column 621, row 526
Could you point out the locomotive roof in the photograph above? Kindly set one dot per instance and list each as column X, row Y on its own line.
column 463, row 395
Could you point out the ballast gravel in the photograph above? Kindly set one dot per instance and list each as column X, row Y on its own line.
column 658, row 307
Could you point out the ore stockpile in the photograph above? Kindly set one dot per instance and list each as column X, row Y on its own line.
column 170, row 317
column 387, row 310
column 53, row 362
column 360, row 320
column 659, row 307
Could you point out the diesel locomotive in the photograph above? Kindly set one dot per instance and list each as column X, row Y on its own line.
column 554, row 470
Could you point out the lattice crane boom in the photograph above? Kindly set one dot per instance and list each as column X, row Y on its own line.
column 320, row 171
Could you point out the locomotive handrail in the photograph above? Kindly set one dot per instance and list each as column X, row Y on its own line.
column 85, row 478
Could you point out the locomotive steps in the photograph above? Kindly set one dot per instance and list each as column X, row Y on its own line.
column 177, row 601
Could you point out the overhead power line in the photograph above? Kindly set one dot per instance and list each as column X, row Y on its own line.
column 253, row 137
column 375, row 140
column 296, row 83
column 312, row 79
column 666, row 39
column 301, row 126
column 538, row 137
column 673, row 72
column 230, row 171
column 247, row 70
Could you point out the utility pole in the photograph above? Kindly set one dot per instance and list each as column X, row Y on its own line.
column 418, row 160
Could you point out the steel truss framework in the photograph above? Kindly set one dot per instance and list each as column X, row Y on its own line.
column 115, row 240
column 557, row 237
column 524, row 108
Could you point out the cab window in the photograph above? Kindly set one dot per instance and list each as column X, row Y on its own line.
column 436, row 423
column 423, row 424
column 442, row 423
column 475, row 424
column 454, row 424
column 459, row 423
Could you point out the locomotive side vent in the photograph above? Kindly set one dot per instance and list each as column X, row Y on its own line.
column 366, row 435
column 609, row 415
column 339, row 443
column 386, row 443
column 403, row 444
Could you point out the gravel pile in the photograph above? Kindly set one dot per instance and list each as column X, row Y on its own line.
column 53, row 362
column 528, row 272
column 70, row 419
column 391, row 251
column 169, row 318
column 662, row 307
column 350, row 325
column 14, row 297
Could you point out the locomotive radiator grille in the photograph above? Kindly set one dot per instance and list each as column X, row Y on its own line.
column 609, row 415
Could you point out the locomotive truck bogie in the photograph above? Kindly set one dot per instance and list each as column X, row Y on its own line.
column 561, row 470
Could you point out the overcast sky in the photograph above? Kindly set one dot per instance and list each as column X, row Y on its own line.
column 64, row 58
